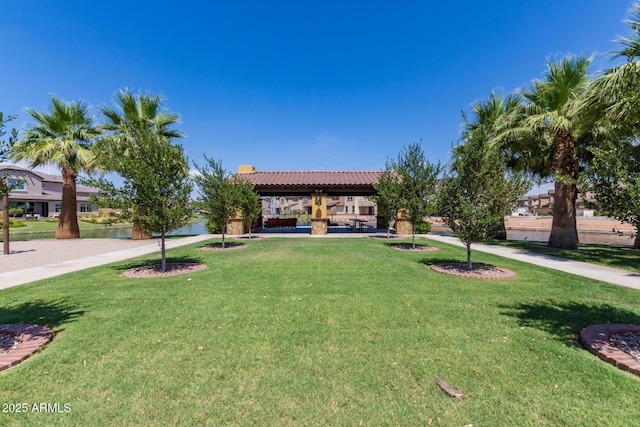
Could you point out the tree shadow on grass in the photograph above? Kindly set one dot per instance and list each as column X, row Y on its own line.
column 51, row 314
column 156, row 261
column 564, row 320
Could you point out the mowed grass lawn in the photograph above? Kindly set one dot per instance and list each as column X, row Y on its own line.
column 319, row 332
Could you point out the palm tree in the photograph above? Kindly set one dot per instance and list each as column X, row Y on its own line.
column 550, row 138
column 62, row 137
column 614, row 95
column 135, row 117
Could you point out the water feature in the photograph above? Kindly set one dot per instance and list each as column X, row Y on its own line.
column 191, row 229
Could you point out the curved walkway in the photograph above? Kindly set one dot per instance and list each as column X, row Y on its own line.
column 615, row 276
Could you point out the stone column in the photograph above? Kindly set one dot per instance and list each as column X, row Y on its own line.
column 235, row 226
column 319, row 220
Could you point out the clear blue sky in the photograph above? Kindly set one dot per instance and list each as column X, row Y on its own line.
column 297, row 85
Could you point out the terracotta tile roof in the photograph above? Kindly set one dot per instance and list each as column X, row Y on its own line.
column 289, row 178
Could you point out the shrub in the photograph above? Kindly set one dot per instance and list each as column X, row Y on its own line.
column 423, row 227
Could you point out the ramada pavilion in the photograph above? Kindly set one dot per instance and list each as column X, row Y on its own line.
column 320, row 187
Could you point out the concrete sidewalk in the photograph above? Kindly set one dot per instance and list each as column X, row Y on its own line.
column 20, row 277
column 615, row 276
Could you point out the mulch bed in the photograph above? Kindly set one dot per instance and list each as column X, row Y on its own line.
column 617, row 344
column 228, row 246
column 249, row 238
column 9, row 342
column 480, row 271
column 409, row 248
column 173, row 269
column 19, row 341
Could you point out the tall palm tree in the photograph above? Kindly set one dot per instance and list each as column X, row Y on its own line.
column 615, row 95
column 134, row 118
column 62, row 136
column 550, row 139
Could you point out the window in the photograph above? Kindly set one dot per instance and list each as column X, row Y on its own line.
column 349, row 198
column 58, row 206
column 85, row 207
column 16, row 184
column 353, row 209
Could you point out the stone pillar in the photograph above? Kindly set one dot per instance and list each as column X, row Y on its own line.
column 235, row 226
column 403, row 227
column 319, row 226
column 319, row 220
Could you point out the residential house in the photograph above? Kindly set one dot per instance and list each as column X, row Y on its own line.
column 40, row 194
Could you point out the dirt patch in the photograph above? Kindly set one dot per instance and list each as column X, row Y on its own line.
column 249, row 238
column 480, row 271
column 228, row 246
column 173, row 269
column 409, row 248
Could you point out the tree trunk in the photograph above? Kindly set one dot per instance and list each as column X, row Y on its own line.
column 68, row 223
column 500, row 232
column 636, row 243
column 413, row 237
column 5, row 224
column 564, row 231
column 138, row 233
column 223, row 239
column 163, row 252
column 469, row 263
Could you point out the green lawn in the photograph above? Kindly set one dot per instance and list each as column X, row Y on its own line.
column 319, row 332
column 43, row 225
column 616, row 256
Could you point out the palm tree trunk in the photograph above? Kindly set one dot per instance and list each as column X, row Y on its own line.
column 68, row 224
column 564, row 231
column 138, row 233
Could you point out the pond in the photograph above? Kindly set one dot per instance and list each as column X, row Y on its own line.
column 191, row 229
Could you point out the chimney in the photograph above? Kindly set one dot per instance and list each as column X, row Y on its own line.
column 246, row 169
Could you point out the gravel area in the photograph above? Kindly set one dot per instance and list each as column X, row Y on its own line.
column 39, row 252
column 629, row 342
column 8, row 342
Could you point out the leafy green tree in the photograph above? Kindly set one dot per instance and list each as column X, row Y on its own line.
column 249, row 203
column 387, row 195
column 218, row 194
column 550, row 139
column 614, row 176
column 134, row 119
column 417, row 184
column 478, row 191
column 156, row 188
column 63, row 137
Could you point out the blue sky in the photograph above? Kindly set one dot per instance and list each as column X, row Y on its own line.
column 297, row 85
